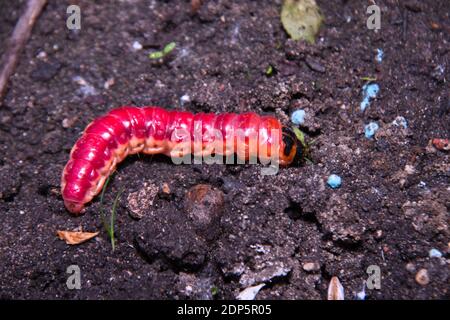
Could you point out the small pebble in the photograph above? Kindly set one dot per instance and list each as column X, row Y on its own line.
column 409, row 169
column 441, row 144
column 204, row 205
column 422, row 184
column 137, row 46
column 378, row 234
column 439, row 69
column 435, row 253
column 311, row 266
column 109, row 83
column 410, row 267
column 314, row 65
column 438, row 73
column 45, row 71
column 184, row 99
column 298, row 117
column 41, row 55
column 400, row 121
column 334, row 181
column 85, row 88
column 422, row 277
column 370, row 129
column 69, row 122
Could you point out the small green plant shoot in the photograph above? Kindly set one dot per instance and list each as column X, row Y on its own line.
column 109, row 226
column 161, row 54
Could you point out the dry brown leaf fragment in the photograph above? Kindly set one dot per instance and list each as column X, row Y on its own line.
column 75, row 237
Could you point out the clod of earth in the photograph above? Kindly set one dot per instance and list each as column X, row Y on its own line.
column 270, row 273
column 195, row 287
column 169, row 238
column 343, row 223
column 10, row 182
column 45, row 71
column 427, row 216
column 204, row 206
column 139, row 202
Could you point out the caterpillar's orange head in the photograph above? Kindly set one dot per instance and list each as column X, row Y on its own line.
column 293, row 149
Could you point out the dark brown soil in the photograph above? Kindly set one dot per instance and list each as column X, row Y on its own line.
column 391, row 210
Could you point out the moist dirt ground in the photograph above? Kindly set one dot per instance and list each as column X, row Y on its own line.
column 290, row 231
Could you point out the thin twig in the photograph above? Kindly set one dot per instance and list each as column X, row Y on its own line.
column 20, row 36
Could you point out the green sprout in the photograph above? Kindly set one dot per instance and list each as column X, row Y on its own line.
column 368, row 79
column 109, row 227
column 306, row 146
column 269, row 70
column 214, row 291
column 161, row 54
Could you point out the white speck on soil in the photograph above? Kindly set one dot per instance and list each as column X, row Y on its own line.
column 136, row 46
column 86, row 89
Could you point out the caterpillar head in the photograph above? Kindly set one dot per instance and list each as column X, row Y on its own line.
column 294, row 148
column 75, row 207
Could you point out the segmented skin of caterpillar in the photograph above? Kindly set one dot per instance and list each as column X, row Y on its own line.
column 107, row 140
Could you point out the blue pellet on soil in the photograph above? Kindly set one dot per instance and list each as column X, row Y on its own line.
column 380, row 55
column 298, row 116
column 370, row 91
column 370, row 129
column 334, row 181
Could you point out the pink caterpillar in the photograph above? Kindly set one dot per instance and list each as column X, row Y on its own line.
column 128, row 130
